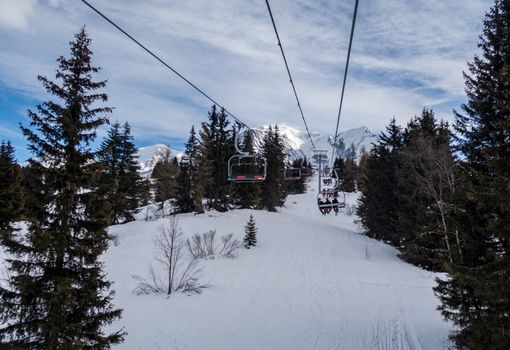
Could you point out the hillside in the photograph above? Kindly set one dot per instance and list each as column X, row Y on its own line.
column 313, row 282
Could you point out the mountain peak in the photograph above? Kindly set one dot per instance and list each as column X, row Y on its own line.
column 296, row 141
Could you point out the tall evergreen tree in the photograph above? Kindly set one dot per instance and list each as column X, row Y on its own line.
column 34, row 192
column 299, row 185
column 426, row 185
column 57, row 296
column 165, row 173
column 11, row 194
column 349, row 174
column 216, row 146
column 475, row 297
column 378, row 204
column 362, row 170
column 189, row 181
column 248, row 194
column 119, row 179
column 273, row 190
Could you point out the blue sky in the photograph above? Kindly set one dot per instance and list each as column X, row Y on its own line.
column 407, row 54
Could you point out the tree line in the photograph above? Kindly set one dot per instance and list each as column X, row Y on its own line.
column 198, row 180
column 440, row 194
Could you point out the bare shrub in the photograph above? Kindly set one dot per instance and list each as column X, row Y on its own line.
column 208, row 240
column 205, row 247
column 195, row 246
column 229, row 245
column 182, row 274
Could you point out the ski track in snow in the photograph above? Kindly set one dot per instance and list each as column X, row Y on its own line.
column 308, row 284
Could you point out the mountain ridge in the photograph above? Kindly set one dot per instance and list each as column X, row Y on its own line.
column 296, row 141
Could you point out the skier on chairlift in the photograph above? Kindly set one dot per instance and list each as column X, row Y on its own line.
column 321, row 206
column 335, row 205
column 328, row 206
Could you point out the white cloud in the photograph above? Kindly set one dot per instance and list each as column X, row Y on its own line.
column 406, row 55
column 15, row 13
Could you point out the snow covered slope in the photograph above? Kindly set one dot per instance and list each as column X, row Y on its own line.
column 313, row 282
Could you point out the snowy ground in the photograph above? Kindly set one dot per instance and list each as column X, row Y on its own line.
column 312, row 282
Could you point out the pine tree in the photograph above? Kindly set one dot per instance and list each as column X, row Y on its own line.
column 216, row 146
column 362, row 170
column 299, row 185
column 350, row 171
column 11, row 193
column 426, row 186
column 250, row 236
column 165, row 173
column 378, row 204
column 475, row 297
column 57, row 296
column 273, row 189
column 189, row 181
column 248, row 194
column 119, row 179
column 34, row 192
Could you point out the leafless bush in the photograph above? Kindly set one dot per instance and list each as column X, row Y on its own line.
column 208, row 239
column 204, row 246
column 182, row 275
column 229, row 245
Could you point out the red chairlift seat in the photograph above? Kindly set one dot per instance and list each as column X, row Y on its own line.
column 247, row 168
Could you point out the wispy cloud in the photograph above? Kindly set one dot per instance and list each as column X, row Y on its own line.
column 406, row 55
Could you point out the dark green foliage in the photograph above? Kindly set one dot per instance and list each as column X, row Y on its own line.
column 476, row 297
column 119, row 179
column 427, row 181
column 165, row 174
column 216, row 146
column 250, row 236
column 145, row 192
column 57, row 296
column 11, row 193
column 362, row 170
column 378, row 204
column 339, row 167
column 248, row 194
column 273, row 189
column 409, row 184
column 299, row 185
column 189, row 180
column 34, row 192
column 349, row 173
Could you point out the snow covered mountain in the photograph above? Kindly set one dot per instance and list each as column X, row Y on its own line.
column 296, row 142
column 150, row 155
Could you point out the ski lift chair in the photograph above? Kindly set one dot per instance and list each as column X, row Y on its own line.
column 327, row 181
column 292, row 174
column 247, row 168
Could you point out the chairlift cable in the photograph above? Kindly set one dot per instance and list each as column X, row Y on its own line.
column 335, row 140
column 150, row 52
column 288, row 72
